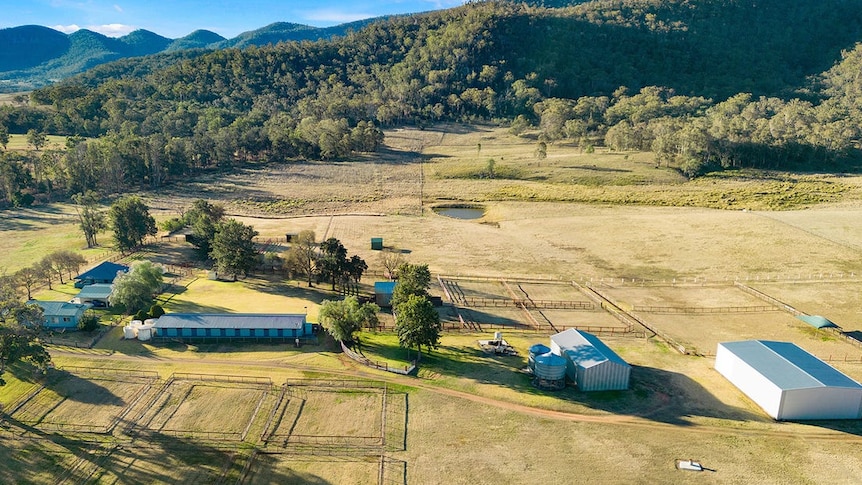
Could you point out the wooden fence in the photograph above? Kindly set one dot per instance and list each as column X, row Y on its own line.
column 407, row 369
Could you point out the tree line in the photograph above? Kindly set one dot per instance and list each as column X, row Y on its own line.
column 705, row 85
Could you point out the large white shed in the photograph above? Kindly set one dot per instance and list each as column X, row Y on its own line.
column 788, row 382
column 591, row 364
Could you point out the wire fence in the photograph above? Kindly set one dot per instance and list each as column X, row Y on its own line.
column 261, row 381
column 691, row 309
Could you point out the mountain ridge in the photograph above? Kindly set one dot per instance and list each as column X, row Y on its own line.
column 39, row 55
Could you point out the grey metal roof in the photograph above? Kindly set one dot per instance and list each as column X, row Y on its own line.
column 788, row 366
column 230, row 320
column 586, row 349
column 99, row 290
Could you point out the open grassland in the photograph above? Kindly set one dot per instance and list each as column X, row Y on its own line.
column 20, row 143
column 259, row 294
column 473, row 417
column 291, row 469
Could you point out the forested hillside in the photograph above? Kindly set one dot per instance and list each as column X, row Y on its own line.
column 705, row 84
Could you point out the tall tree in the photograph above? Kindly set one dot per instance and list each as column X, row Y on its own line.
column 29, row 277
column 333, row 261
column 417, row 323
column 390, row 260
column 413, row 280
column 132, row 223
column 18, row 337
column 4, row 136
column 203, row 218
column 302, row 255
column 91, row 220
column 343, row 319
column 135, row 289
column 36, row 139
column 233, row 248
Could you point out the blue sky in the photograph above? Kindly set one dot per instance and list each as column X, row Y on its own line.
column 177, row 18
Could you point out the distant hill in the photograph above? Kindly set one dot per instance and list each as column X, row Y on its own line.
column 30, row 45
column 34, row 56
column 199, row 39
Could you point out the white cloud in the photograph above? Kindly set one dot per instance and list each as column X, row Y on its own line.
column 66, row 29
column 112, row 30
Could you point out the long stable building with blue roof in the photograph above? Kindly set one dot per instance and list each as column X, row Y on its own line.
column 788, row 382
column 231, row 326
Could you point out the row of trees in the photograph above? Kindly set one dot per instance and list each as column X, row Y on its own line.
column 59, row 264
column 160, row 122
column 325, row 261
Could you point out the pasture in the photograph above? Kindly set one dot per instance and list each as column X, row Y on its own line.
column 665, row 249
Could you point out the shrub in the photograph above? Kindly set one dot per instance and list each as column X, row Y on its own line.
column 156, row 311
column 88, row 323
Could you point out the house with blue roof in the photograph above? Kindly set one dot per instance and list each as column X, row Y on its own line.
column 787, row 382
column 103, row 273
column 591, row 364
column 61, row 315
column 232, row 326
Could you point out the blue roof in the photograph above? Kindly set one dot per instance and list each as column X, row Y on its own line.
column 61, row 308
column 104, row 271
column 816, row 321
column 788, row 366
column 385, row 287
column 231, row 320
column 99, row 290
column 585, row 349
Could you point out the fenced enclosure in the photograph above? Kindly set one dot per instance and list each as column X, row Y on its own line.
column 83, row 399
column 370, row 418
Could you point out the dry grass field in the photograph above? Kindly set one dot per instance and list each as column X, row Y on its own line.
column 650, row 241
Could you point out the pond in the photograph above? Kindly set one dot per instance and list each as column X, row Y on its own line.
column 461, row 212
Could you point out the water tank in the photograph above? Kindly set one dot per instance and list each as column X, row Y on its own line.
column 136, row 323
column 149, row 321
column 537, row 349
column 145, row 332
column 128, row 332
column 550, row 366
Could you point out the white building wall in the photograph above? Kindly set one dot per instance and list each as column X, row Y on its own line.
column 753, row 384
column 607, row 376
column 822, row 403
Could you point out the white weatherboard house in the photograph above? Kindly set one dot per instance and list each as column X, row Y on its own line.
column 788, row 382
column 591, row 364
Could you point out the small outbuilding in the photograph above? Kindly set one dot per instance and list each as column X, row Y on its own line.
column 383, row 293
column 102, row 273
column 591, row 364
column 377, row 243
column 231, row 326
column 787, row 382
column 61, row 314
column 97, row 294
